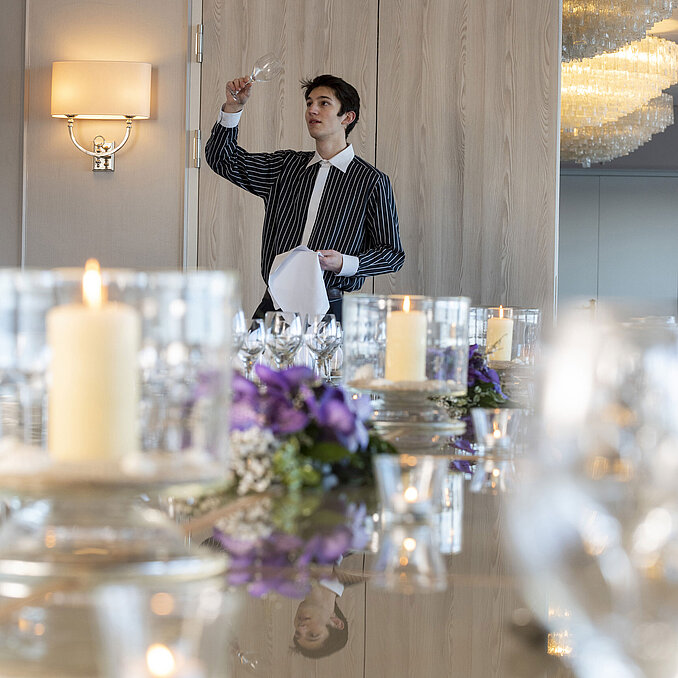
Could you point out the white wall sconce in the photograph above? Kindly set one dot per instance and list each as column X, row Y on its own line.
column 101, row 90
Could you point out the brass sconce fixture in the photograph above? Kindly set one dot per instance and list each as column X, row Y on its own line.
column 101, row 90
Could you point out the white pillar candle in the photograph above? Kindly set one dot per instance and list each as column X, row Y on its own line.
column 93, row 392
column 499, row 337
column 406, row 345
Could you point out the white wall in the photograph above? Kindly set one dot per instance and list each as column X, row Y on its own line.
column 619, row 239
column 132, row 217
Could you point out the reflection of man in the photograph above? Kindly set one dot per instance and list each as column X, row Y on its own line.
column 320, row 628
column 331, row 201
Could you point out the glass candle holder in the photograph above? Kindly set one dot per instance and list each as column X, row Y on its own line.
column 406, row 344
column 123, row 394
column 410, row 486
column 406, row 350
column 507, row 335
column 497, row 430
column 176, row 631
column 133, row 386
column 409, row 560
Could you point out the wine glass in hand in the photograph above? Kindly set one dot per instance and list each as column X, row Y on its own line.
column 253, row 346
column 284, row 335
column 265, row 68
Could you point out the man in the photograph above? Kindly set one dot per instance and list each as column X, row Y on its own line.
column 331, row 201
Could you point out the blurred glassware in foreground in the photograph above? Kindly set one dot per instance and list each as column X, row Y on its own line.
column 174, row 631
column 596, row 520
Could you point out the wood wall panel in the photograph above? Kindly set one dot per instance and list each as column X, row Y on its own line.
column 311, row 38
column 11, row 129
column 467, row 129
column 134, row 216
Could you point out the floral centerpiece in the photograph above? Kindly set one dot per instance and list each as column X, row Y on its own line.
column 295, row 429
column 484, row 390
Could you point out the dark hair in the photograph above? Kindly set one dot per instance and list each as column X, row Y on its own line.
column 335, row 641
column 347, row 94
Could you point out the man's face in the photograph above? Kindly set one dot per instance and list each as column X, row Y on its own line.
column 310, row 625
column 322, row 114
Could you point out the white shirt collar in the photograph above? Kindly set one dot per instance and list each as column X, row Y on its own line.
column 341, row 160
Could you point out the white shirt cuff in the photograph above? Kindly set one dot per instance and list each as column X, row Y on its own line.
column 349, row 265
column 229, row 119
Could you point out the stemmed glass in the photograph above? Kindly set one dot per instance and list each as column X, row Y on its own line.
column 321, row 338
column 238, row 330
column 284, row 335
column 265, row 68
column 253, row 346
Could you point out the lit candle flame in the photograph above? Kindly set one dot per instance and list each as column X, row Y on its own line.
column 411, row 494
column 92, row 293
column 406, row 304
column 160, row 661
column 409, row 544
column 501, row 311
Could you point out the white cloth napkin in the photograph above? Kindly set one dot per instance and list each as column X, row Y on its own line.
column 296, row 282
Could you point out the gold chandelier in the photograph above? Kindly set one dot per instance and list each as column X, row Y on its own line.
column 607, row 87
column 604, row 142
column 593, row 27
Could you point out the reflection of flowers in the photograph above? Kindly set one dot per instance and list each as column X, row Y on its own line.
column 320, row 430
column 269, row 554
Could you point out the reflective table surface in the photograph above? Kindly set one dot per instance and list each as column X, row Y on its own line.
column 477, row 626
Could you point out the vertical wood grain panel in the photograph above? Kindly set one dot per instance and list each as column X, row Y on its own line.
column 467, row 129
column 11, row 129
column 461, row 631
column 311, row 37
column 132, row 217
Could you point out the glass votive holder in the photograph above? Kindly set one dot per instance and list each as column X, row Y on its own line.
column 409, row 560
column 410, row 486
column 497, row 430
column 406, row 344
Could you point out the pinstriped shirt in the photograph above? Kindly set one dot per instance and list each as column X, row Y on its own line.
column 356, row 216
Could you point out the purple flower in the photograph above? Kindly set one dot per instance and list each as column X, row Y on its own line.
column 326, row 549
column 283, row 417
column 284, row 381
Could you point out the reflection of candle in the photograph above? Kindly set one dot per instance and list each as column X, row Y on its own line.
column 406, row 345
column 499, row 337
column 93, row 393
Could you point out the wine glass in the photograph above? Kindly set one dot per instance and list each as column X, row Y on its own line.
column 284, row 335
column 238, row 331
column 253, row 346
column 265, row 68
column 336, row 357
column 321, row 339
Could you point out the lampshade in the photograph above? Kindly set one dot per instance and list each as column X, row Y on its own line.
column 101, row 90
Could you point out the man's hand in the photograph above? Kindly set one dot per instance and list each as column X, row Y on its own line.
column 237, row 94
column 331, row 260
